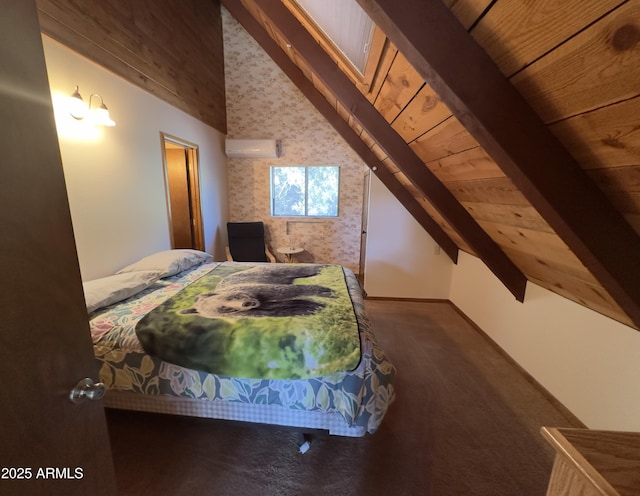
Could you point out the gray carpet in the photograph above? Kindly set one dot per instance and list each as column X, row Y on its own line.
column 465, row 422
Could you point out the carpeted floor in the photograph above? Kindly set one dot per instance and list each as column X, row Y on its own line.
column 465, row 422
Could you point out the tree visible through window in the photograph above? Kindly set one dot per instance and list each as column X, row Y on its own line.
column 308, row 191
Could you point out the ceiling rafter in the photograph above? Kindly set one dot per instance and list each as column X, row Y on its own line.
column 498, row 117
column 256, row 30
column 393, row 145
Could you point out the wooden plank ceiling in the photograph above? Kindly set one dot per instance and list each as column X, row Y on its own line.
column 514, row 126
column 137, row 41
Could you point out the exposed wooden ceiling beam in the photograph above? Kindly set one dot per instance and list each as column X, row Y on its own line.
column 498, row 117
column 255, row 29
column 393, row 145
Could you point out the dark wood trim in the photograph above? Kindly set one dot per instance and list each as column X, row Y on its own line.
column 316, row 98
column 498, row 117
column 416, row 300
column 573, row 420
column 393, row 144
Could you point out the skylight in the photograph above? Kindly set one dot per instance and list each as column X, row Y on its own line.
column 346, row 25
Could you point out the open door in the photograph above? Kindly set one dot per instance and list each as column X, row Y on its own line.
column 365, row 220
column 49, row 444
column 180, row 160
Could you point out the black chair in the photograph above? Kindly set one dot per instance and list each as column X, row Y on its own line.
column 246, row 243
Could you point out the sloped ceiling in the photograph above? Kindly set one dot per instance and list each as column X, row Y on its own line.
column 509, row 130
column 171, row 49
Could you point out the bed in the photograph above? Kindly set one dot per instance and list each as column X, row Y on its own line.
column 344, row 396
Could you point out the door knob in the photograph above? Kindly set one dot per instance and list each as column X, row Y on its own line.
column 86, row 389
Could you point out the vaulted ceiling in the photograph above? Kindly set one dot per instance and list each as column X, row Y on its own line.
column 509, row 130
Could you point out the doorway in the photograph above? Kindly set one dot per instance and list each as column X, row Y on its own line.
column 365, row 220
column 180, row 161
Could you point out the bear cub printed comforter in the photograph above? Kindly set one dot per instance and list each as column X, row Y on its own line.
column 283, row 321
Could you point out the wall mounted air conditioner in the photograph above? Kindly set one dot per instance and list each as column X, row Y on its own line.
column 253, row 148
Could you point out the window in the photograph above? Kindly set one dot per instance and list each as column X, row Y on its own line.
column 298, row 191
column 346, row 33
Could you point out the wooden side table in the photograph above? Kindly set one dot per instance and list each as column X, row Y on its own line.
column 289, row 252
column 594, row 463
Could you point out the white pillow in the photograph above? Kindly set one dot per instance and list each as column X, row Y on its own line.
column 111, row 289
column 169, row 262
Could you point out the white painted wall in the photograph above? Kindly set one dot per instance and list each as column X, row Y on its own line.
column 401, row 258
column 589, row 362
column 115, row 177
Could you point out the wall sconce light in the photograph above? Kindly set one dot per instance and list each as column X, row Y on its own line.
column 98, row 114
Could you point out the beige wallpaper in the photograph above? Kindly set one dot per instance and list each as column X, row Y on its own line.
column 263, row 103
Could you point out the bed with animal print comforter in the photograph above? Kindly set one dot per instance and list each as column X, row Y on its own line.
column 286, row 344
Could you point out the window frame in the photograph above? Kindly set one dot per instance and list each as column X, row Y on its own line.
column 375, row 52
column 306, row 192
